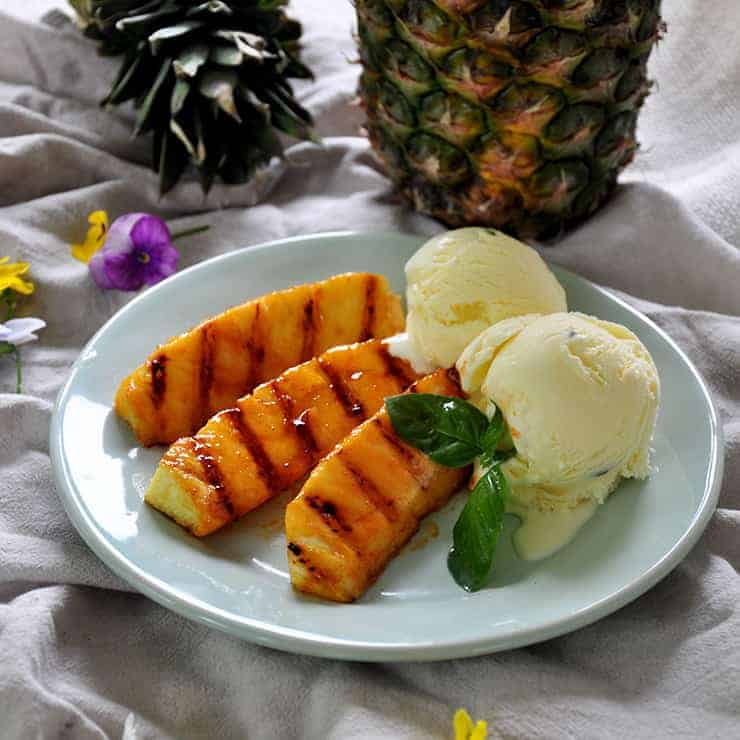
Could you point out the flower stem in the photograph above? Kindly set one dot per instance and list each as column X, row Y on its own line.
column 190, row 232
column 18, row 371
column 10, row 304
column 5, row 348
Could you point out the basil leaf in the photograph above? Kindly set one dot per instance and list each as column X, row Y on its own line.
column 506, row 442
column 493, row 434
column 498, row 457
column 447, row 429
column 477, row 530
column 496, row 442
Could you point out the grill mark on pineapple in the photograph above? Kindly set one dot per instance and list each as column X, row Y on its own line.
column 207, row 353
column 316, row 573
column 255, row 348
column 343, row 393
column 158, row 370
column 399, row 369
column 307, row 352
column 301, row 557
column 297, row 422
column 385, row 505
column 327, row 510
column 212, row 473
column 368, row 314
column 266, row 469
column 411, row 459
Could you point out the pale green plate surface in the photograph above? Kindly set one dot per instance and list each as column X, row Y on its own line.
column 237, row 581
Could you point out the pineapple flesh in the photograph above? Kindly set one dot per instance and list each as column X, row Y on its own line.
column 362, row 504
column 273, row 437
column 191, row 377
column 513, row 114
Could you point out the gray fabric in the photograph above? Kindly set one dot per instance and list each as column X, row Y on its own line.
column 81, row 656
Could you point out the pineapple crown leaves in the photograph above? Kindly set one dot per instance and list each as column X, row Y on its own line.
column 209, row 80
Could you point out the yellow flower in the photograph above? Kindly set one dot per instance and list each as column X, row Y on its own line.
column 464, row 728
column 10, row 276
column 94, row 239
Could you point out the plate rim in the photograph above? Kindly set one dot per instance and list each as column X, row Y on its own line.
column 296, row 641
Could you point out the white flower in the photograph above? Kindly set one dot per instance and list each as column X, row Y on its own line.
column 20, row 331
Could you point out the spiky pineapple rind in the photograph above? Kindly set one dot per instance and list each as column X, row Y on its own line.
column 517, row 114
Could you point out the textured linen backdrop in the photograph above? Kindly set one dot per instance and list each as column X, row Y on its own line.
column 82, row 656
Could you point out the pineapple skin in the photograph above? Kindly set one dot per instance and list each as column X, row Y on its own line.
column 512, row 114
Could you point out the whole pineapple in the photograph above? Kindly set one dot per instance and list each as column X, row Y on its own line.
column 209, row 79
column 506, row 113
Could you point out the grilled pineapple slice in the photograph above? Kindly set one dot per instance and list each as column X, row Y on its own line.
column 196, row 374
column 273, row 437
column 363, row 502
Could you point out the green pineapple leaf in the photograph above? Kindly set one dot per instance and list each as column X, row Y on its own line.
column 209, row 80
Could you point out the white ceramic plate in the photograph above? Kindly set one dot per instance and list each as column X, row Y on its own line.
column 237, row 580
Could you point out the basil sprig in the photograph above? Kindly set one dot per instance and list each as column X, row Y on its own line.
column 453, row 432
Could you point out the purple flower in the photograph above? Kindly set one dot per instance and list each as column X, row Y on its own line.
column 138, row 251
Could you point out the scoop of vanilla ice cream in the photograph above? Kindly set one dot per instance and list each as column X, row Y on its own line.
column 475, row 361
column 580, row 396
column 462, row 281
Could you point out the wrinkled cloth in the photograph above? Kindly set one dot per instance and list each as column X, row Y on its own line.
column 84, row 656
